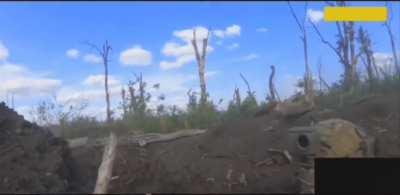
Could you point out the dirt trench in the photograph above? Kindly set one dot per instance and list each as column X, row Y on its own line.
column 227, row 159
column 32, row 159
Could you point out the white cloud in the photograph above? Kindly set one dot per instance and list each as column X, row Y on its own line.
column 288, row 85
column 3, row 52
column 92, row 59
column 98, row 80
column 173, row 87
column 230, row 31
column 385, row 61
column 19, row 81
column 211, row 73
column 233, row 30
column 176, row 49
column 179, row 62
column 135, row 56
column 30, row 86
column 183, row 52
column 262, row 29
column 315, row 16
column 187, row 34
column 250, row 57
column 233, row 46
column 68, row 94
column 72, row 53
column 25, row 111
column 9, row 70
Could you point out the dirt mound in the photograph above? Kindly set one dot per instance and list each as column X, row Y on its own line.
column 32, row 160
column 222, row 160
column 228, row 159
column 379, row 116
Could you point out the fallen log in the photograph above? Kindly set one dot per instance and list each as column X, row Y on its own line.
column 167, row 137
column 145, row 139
column 105, row 170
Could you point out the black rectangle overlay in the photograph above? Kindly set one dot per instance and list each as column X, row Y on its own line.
column 357, row 176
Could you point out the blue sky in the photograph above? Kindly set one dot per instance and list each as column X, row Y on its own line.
column 252, row 36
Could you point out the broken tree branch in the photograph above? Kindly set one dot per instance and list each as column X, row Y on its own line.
column 271, row 84
column 105, row 169
column 327, row 42
column 247, row 84
column 147, row 138
column 387, row 24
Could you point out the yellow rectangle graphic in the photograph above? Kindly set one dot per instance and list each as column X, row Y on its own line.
column 355, row 14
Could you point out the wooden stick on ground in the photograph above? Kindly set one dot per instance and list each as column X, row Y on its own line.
column 152, row 138
column 105, row 169
column 145, row 139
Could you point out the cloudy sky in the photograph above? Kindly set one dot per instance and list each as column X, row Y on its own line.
column 43, row 51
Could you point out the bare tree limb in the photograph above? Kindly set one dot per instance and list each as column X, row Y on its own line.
column 301, row 27
column 327, row 42
column 387, row 24
column 322, row 80
column 247, row 84
column 271, row 84
column 196, row 50
column 308, row 83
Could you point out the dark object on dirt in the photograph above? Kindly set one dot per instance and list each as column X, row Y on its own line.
column 31, row 159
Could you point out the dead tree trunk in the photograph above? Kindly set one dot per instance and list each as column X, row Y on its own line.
column 105, row 61
column 308, row 81
column 368, row 60
column 387, row 24
column 345, row 50
column 272, row 89
column 201, row 62
column 321, row 79
column 124, row 103
column 104, row 52
column 236, row 97
column 105, row 170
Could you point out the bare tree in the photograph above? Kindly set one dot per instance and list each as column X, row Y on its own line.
column 124, row 104
column 106, row 167
column 308, row 81
column 345, row 49
column 250, row 93
column 143, row 96
column 104, row 52
column 388, row 24
column 367, row 55
column 236, row 97
column 201, row 62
